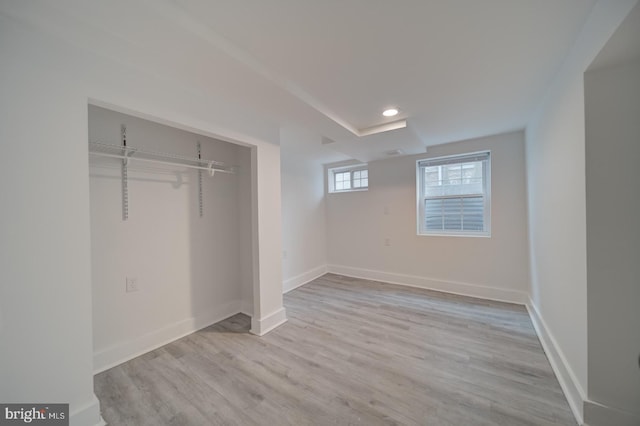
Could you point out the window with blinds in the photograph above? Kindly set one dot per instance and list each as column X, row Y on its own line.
column 454, row 195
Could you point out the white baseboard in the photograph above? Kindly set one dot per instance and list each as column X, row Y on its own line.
column 261, row 326
column 107, row 358
column 572, row 390
column 465, row 289
column 596, row 414
column 302, row 279
column 88, row 414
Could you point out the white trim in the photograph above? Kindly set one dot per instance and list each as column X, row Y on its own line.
column 486, row 194
column 262, row 326
column 343, row 168
column 465, row 289
column 302, row 279
column 597, row 414
column 344, row 191
column 88, row 414
column 570, row 386
column 107, row 358
column 353, row 167
column 459, row 158
column 457, row 234
column 394, row 125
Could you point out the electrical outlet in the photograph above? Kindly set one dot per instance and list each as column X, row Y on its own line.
column 132, row 284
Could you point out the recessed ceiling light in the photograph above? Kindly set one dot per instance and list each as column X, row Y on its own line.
column 390, row 112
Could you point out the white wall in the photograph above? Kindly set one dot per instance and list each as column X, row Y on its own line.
column 268, row 311
column 45, row 277
column 555, row 166
column 555, row 152
column 612, row 99
column 358, row 224
column 304, row 255
column 187, row 266
column 52, row 65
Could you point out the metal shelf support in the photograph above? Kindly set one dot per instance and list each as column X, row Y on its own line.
column 200, row 199
column 125, row 175
column 127, row 154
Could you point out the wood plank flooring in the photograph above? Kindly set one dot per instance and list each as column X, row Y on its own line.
column 354, row 352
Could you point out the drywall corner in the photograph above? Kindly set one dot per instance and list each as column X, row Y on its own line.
column 304, row 278
column 261, row 326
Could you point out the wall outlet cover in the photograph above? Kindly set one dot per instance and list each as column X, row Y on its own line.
column 132, row 284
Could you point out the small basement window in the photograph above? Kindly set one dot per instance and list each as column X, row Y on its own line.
column 346, row 179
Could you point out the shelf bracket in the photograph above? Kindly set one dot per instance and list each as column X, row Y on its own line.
column 125, row 175
column 200, row 199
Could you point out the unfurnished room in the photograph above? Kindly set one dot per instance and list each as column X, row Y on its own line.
column 300, row 212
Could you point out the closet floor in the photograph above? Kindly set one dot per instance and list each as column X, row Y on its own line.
column 353, row 352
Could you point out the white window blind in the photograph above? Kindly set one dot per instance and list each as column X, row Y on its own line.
column 453, row 195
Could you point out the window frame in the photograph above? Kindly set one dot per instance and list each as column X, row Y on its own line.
column 421, row 197
column 332, row 172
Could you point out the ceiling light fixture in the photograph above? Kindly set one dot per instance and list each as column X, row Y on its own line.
column 391, row 112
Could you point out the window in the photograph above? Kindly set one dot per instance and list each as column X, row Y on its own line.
column 342, row 181
column 354, row 178
column 454, row 195
column 360, row 178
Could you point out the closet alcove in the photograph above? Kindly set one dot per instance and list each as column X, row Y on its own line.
column 171, row 242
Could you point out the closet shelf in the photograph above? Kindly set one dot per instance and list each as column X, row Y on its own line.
column 127, row 153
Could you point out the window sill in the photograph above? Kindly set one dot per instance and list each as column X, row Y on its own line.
column 349, row 190
column 451, row 234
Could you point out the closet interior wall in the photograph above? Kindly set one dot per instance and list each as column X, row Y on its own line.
column 190, row 270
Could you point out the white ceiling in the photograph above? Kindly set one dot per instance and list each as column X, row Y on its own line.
column 457, row 69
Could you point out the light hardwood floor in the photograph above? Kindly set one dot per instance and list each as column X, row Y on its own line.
column 353, row 352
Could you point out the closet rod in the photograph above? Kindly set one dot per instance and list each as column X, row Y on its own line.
column 171, row 163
